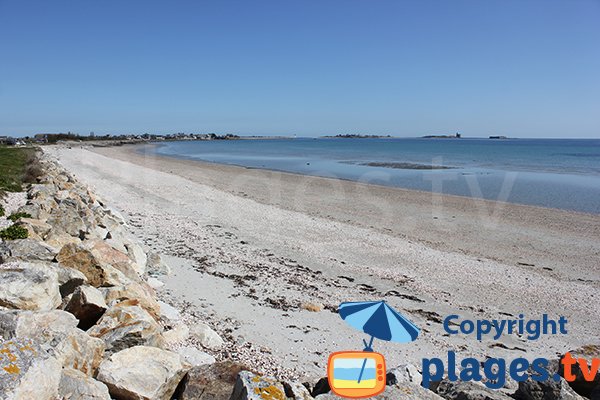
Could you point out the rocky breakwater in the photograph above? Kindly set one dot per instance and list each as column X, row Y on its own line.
column 78, row 319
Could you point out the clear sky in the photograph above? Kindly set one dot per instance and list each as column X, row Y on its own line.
column 513, row 67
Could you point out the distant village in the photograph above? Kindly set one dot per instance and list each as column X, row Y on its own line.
column 50, row 138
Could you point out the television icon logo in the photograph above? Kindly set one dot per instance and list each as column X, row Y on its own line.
column 356, row 374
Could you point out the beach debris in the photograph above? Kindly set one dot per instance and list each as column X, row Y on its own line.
column 312, row 307
column 143, row 372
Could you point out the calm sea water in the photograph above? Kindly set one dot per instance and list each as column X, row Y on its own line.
column 552, row 173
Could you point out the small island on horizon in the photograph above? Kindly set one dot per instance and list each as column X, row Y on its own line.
column 357, row 136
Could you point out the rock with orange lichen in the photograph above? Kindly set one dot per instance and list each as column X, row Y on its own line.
column 255, row 387
column 27, row 371
column 55, row 332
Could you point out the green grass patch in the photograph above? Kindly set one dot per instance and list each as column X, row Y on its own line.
column 14, row 217
column 14, row 232
column 15, row 165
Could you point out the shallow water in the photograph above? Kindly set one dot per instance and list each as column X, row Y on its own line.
column 559, row 173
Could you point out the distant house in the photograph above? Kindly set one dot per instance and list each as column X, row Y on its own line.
column 41, row 138
column 3, row 139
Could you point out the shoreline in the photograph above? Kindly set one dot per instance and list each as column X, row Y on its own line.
column 259, row 246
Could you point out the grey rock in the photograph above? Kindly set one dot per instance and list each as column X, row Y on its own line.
column 143, row 373
column 195, row 357
column 550, row 389
column 206, row 336
column 126, row 324
column 155, row 265
column 404, row 390
column 75, row 385
column 404, row 373
column 169, row 314
column 28, row 286
column 461, row 390
column 26, row 250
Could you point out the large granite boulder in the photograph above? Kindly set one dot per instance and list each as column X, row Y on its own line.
column 210, row 382
column 68, row 278
column 87, row 305
column 97, row 271
column 79, row 351
column 125, row 325
column 255, row 387
column 65, row 217
column 60, row 239
column 27, row 371
column 140, row 292
column 143, row 373
column 75, row 385
column 26, row 250
column 29, row 286
column 56, row 332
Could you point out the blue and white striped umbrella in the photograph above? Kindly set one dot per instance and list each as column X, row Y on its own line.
column 379, row 320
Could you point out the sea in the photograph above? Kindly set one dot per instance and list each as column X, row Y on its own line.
column 556, row 173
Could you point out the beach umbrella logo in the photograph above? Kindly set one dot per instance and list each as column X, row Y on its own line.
column 361, row 374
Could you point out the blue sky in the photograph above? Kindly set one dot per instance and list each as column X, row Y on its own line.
column 407, row 68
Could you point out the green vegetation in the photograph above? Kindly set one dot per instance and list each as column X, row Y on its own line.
column 18, row 165
column 14, row 217
column 14, row 232
column 1, row 211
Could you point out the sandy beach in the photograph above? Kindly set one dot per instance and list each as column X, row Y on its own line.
column 266, row 257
